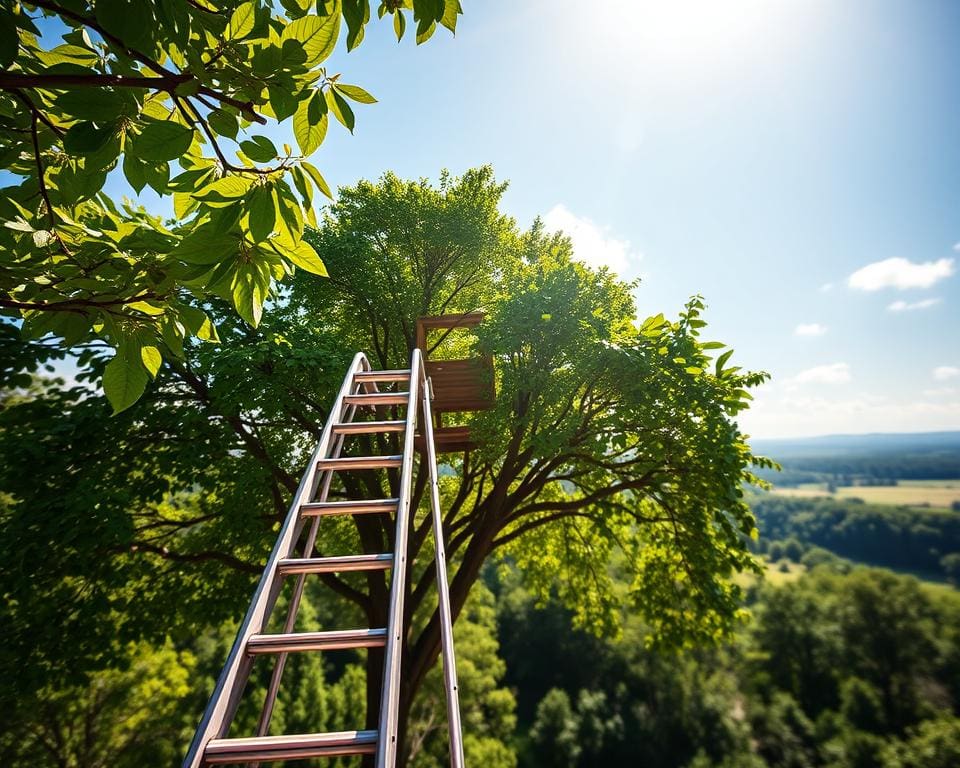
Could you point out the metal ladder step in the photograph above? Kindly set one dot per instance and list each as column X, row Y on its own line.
column 375, row 376
column 339, row 564
column 365, row 427
column 377, row 398
column 364, row 507
column 269, row 748
column 359, row 462
column 337, row 640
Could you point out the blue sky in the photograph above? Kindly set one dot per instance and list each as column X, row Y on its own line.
column 763, row 154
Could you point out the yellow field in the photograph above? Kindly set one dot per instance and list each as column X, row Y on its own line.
column 772, row 574
column 914, row 493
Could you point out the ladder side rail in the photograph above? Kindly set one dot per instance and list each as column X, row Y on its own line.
column 226, row 694
column 390, row 690
column 443, row 589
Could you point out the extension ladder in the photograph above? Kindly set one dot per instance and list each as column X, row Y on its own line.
column 210, row 745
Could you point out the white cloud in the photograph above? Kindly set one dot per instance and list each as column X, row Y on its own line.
column 592, row 244
column 945, row 372
column 900, row 273
column 834, row 373
column 775, row 413
column 906, row 306
column 810, row 329
column 940, row 392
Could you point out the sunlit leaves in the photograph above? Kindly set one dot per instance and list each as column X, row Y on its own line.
column 169, row 94
column 259, row 149
column 162, row 141
column 355, row 92
column 317, row 36
column 310, row 124
column 124, row 380
column 242, row 20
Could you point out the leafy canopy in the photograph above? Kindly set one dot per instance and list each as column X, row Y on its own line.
column 612, row 447
column 170, row 93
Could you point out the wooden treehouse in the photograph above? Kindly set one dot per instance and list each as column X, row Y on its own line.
column 458, row 385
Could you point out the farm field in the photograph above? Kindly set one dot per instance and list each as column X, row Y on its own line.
column 914, row 493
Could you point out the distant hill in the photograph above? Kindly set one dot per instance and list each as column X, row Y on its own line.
column 850, row 445
column 873, row 457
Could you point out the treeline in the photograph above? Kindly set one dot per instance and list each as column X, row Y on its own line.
column 904, row 538
column 838, row 670
column 880, row 467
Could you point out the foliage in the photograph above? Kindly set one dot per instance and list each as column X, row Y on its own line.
column 128, row 716
column 895, row 537
column 808, row 686
column 486, row 709
column 612, row 439
column 159, row 90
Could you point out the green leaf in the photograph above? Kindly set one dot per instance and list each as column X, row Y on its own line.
column 203, row 246
column 451, row 10
column 130, row 20
column 97, row 104
column 320, row 182
column 425, row 29
column 355, row 92
column 183, row 204
column 356, row 13
column 399, row 24
column 338, row 105
column 87, row 138
column 248, row 294
column 309, row 134
column 123, row 382
column 162, row 140
column 283, row 101
column 721, row 361
column 8, row 40
column 224, row 123
column 303, row 255
column 198, row 323
column 226, row 187
column 259, row 149
column 318, row 36
column 157, row 176
column 133, row 169
column 152, row 360
column 241, row 21
column 262, row 213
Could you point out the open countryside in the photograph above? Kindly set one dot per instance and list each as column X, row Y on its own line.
column 915, row 493
column 479, row 383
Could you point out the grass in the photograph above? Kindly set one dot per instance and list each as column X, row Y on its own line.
column 912, row 493
column 772, row 574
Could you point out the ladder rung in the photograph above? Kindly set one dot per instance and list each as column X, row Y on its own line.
column 364, row 427
column 367, row 506
column 399, row 375
column 360, row 462
column 378, row 398
column 340, row 564
column 267, row 748
column 336, row 640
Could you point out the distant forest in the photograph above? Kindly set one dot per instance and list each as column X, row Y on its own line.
column 863, row 459
column 920, row 540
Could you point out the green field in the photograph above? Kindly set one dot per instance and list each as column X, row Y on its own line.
column 914, row 493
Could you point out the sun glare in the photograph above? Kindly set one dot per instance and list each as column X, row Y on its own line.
column 683, row 34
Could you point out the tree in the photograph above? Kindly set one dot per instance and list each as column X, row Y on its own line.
column 554, row 732
column 122, row 717
column 137, row 86
column 932, row 744
column 609, row 434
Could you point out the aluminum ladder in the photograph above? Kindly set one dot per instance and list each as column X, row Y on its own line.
column 210, row 745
